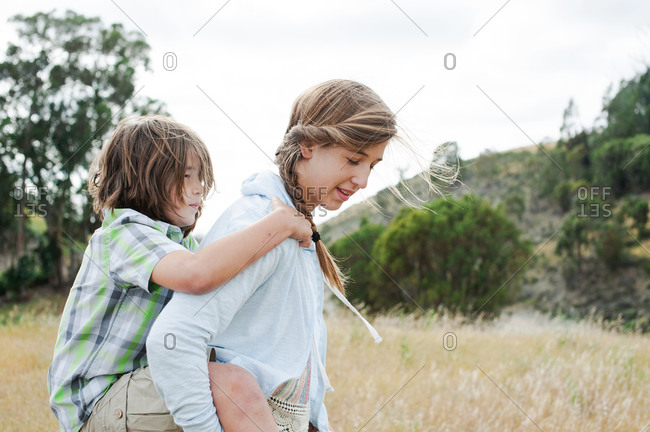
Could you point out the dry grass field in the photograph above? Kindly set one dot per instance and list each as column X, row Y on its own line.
column 524, row 372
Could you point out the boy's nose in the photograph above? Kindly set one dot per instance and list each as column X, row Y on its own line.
column 197, row 188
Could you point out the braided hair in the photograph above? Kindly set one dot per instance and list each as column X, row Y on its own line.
column 335, row 113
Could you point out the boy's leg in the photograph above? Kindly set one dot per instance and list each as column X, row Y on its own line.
column 108, row 412
column 241, row 405
column 145, row 409
column 131, row 404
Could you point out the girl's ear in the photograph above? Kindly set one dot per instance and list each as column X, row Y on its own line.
column 306, row 150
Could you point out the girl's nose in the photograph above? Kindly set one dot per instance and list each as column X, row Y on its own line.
column 361, row 179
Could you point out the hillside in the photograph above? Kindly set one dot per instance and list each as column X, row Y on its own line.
column 496, row 177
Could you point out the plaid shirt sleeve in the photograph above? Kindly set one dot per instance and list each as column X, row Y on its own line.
column 134, row 250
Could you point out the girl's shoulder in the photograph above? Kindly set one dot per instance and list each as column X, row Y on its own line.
column 245, row 211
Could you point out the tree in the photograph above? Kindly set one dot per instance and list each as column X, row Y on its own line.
column 573, row 239
column 460, row 253
column 569, row 127
column 628, row 112
column 610, row 244
column 637, row 209
column 63, row 85
column 7, row 208
column 623, row 164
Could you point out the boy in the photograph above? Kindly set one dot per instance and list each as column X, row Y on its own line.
column 148, row 184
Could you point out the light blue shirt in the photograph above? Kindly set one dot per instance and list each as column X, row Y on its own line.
column 268, row 320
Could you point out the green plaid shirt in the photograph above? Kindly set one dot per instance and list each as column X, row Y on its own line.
column 109, row 311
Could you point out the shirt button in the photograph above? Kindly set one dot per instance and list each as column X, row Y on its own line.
column 118, row 413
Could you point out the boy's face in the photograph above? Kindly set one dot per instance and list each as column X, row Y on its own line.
column 184, row 213
column 329, row 176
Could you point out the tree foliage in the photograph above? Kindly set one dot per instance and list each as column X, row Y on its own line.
column 628, row 112
column 637, row 209
column 64, row 84
column 623, row 164
column 610, row 244
column 573, row 239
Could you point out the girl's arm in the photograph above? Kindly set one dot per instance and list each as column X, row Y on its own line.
column 220, row 261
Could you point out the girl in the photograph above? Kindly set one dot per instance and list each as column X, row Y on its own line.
column 148, row 184
column 269, row 318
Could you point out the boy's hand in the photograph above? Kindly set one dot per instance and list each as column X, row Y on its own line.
column 299, row 227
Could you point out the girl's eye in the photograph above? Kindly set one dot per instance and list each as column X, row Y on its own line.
column 353, row 162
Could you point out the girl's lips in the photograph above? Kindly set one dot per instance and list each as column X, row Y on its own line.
column 343, row 195
column 194, row 206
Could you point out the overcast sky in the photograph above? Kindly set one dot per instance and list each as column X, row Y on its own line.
column 239, row 64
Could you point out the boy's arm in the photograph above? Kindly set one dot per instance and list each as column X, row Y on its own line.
column 223, row 259
column 178, row 340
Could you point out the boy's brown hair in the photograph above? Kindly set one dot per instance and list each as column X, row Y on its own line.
column 142, row 167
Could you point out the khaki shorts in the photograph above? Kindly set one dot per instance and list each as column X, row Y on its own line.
column 132, row 404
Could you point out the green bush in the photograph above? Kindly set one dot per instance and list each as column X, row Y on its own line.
column 355, row 254
column 459, row 253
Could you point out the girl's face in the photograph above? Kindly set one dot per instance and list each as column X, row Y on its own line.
column 184, row 213
column 329, row 176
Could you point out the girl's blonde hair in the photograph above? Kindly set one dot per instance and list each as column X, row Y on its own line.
column 143, row 166
column 335, row 113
